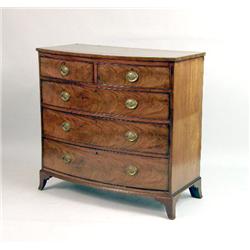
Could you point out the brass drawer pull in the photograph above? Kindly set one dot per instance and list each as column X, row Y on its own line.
column 131, row 104
column 64, row 70
column 132, row 76
column 131, row 136
column 131, row 170
column 65, row 96
column 66, row 126
column 67, row 158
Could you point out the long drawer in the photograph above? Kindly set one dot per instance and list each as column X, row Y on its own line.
column 107, row 167
column 111, row 134
column 106, row 102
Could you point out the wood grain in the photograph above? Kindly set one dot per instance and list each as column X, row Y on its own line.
column 89, row 131
column 167, row 120
column 79, row 71
column 149, row 77
column 109, row 52
column 96, row 60
column 106, row 167
column 186, row 134
column 105, row 102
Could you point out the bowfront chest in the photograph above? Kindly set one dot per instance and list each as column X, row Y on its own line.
column 121, row 119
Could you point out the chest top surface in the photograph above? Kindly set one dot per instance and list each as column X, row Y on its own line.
column 99, row 51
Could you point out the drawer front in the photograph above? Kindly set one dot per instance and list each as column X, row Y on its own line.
column 106, row 102
column 74, row 71
column 114, row 135
column 134, row 76
column 107, row 167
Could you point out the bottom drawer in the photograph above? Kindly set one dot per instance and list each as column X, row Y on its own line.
column 106, row 167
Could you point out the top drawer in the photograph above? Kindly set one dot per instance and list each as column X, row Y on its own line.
column 134, row 76
column 74, row 71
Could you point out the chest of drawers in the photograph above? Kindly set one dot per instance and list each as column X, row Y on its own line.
column 121, row 119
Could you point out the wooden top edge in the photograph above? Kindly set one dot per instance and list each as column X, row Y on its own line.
column 100, row 51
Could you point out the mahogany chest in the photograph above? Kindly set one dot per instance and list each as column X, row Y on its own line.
column 121, row 119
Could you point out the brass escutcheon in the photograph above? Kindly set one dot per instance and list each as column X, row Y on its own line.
column 131, row 136
column 131, row 170
column 131, row 104
column 65, row 96
column 132, row 76
column 64, row 70
column 66, row 126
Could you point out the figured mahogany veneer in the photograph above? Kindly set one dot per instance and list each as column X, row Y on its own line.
column 106, row 102
column 109, row 134
column 78, row 71
column 149, row 77
column 106, row 167
column 121, row 119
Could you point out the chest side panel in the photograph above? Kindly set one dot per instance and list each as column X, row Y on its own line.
column 186, row 132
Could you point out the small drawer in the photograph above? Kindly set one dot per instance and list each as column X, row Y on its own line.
column 134, row 76
column 110, row 134
column 106, row 167
column 106, row 102
column 74, row 71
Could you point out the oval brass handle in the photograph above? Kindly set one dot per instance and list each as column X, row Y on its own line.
column 67, row 158
column 132, row 76
column 131, row 136
column 131, row 170
column 66, row 126
column 131, row 104
column 65, row 96
column 64, row 70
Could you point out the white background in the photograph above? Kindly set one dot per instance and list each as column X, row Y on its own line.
column 69, row 212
